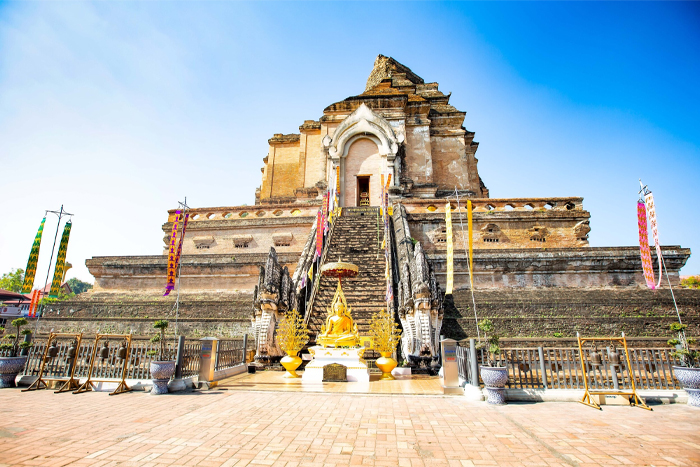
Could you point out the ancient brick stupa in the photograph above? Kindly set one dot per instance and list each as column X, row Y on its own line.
column 402, row 126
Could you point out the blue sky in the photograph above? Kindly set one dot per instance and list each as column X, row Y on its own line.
column 117, row 110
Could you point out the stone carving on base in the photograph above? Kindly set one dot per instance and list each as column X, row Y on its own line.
column 273, row 296
column 420, row 299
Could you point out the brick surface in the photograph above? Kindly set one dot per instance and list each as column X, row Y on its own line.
column 240, row 428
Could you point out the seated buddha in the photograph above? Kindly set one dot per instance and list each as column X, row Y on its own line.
column 339, row 330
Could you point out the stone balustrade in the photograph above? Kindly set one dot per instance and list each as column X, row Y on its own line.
column 497, row 204
column 249, row 212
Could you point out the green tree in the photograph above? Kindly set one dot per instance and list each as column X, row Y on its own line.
column 78, row 286
column 692, row 282
column 12, row 280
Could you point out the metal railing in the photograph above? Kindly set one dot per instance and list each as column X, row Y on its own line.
column 189, row 365
column 560, row 368
column 138, row 366
column 230, row 353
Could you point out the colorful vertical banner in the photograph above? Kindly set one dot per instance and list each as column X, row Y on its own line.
column 337, row 184
column 60, row 261
column 651, row 213
column 319, row 233
column 36, row 296
column 450, row 249
column 644, row 245
column 324, row 220
column 182, row 240
column 172, row 256
column 30, row 272
column 471, row 243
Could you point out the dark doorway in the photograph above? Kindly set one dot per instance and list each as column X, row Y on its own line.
column 363, row 190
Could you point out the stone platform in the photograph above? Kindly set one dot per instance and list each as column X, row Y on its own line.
column 357, row 370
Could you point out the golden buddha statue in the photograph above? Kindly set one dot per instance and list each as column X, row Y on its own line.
column 339, row 330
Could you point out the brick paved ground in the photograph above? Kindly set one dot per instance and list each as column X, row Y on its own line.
column 309, row 429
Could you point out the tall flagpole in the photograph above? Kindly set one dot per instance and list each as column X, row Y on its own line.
column 60, row 215
column 185, row 208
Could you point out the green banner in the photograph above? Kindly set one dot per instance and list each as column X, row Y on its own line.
column 60, row 261
column 30, row 272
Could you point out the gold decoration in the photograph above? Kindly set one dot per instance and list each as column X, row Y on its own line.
column 292, row 336
column 385, row 335
column 339, row 330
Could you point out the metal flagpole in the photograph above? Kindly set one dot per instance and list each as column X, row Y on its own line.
column 60, row 214
column 643, row 191
column 185, row 207
column 466, row 253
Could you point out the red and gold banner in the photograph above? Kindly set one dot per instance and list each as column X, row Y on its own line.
column 36, row 296
column 172, row 256
column 30, row 272
column 60, row 261
column 182, row 240
column 319, row 233
column 337, row 184
column 651, row 212
column 324, row 220
column 644, row 245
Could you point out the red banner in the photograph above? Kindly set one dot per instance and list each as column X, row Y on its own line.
column 319, row 233
column 36, row 296
column 172, row 256
column 644, row 245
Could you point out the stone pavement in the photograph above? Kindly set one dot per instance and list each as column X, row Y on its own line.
column 239, row 428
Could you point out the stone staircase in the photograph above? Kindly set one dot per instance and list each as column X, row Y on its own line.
column 354, row 240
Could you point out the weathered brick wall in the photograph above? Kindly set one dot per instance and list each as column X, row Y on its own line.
column 222, row 315
column 542, row 313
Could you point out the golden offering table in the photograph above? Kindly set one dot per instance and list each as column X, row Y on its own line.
column 357, row 370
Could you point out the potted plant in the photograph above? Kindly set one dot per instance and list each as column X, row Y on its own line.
column 385, row 335
column 688, row 373
column 13, row 363
column 292, row 336
column 494, row 376
column 161, row 370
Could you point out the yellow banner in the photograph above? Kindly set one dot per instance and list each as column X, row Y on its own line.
column 469, row 229
column 450, row 253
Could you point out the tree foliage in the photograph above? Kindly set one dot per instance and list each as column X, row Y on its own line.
column 78, row 286
column 12, row 280
column 692, row 282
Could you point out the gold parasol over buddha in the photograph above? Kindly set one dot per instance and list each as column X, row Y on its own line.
column 339, row 330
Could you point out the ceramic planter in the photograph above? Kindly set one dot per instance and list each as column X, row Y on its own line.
column 290, row 363
column 690, row 380
column 386, row 364
column 10, row 367
column 161, row 372
column 495, row 379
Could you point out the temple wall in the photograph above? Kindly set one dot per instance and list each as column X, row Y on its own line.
column 199, row 273
column 571, row 268
column 449, row 167
column 315, row 160
column 418, row 162
column 285, row 169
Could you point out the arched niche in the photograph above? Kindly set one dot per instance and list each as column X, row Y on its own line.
column 363, row 123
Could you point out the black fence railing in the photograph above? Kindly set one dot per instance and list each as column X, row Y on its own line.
column 560, row 367
column 230, row 353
